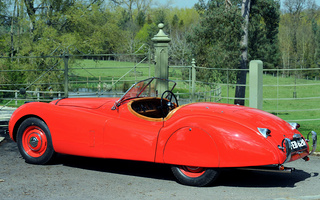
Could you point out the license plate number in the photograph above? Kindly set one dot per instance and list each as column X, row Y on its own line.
column 298, row 144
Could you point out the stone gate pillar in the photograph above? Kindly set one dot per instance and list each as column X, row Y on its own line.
column 161, row 43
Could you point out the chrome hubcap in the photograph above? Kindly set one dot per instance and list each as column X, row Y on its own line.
column 33, row 142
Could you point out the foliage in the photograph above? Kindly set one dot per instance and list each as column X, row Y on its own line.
column 299, row 36
column 210, row 32
column 263, row 32
column 216, row 39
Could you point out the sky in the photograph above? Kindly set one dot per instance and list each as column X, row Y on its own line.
column 179, row 3
column 190, row 3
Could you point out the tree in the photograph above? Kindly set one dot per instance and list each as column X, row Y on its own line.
column 125, row 20
column 160, row 16
column 260, row 40
column 175, row 21
column 242, row 74
column 216, row 39
column 299, row 37
column 140, row 5
column 263, row 32
column 58, row 27
column 226, row 38
column 5, row 24
column 294, row 9
column 180, row 50
column 141, row 18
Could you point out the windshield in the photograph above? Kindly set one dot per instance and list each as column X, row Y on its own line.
column 146, row 88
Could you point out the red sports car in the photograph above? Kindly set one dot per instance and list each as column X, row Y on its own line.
column 196, row 139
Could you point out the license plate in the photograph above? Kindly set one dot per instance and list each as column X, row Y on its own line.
column 298, row 144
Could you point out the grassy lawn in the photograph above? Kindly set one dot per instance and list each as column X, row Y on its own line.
column 109, row 69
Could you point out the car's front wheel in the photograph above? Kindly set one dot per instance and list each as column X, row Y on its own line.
column 34, row 141
column 195, row 176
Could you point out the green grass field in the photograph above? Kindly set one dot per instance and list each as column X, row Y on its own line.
column 109, row 69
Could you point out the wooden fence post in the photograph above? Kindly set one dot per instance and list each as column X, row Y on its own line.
column 161, row 43
column 256, row 84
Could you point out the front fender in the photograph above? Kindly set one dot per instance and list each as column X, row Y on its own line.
column 17, row 117
column 191, row 146
column 74, row 131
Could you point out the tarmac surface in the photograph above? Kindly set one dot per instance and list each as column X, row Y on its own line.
column 71, row 177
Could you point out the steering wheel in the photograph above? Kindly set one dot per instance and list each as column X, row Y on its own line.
column 168, row 106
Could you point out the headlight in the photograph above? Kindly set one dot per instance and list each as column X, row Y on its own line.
column 264, row 132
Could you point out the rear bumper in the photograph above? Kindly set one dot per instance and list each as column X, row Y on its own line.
column 303, row 153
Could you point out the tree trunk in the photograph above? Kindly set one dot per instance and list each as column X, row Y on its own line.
column 242, row 74
column 31, row 10
column 11, row 31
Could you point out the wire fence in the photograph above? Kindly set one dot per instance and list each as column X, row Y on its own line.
column 187, row 92
column 108, row 75
column 50, row 77
column 292, row 94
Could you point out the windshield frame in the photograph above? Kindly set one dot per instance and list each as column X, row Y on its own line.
column 145, row 83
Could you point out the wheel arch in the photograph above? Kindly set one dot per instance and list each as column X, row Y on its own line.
column 191, row 146
column 18, row 123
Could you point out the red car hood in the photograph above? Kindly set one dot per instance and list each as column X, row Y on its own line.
column 89, row 103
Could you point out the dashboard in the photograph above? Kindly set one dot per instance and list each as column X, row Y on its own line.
column 150, row 107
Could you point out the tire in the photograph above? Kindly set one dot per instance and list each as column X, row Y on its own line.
column 195, row 176
column 34, row 141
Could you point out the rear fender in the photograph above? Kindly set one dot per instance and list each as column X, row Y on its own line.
column 218, row 143
column 191, row 146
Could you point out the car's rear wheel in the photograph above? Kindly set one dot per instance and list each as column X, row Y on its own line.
column 195, row 176
column 34, row 141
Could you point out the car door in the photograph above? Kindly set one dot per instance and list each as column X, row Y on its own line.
column 128, row 136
